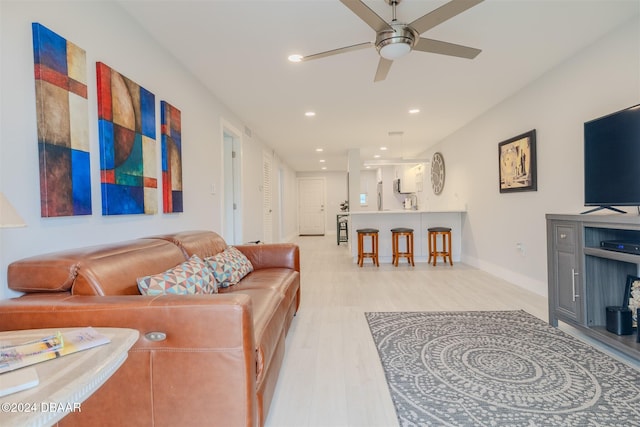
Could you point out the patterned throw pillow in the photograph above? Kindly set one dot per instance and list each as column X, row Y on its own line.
column 191, row 277
column 229, row 266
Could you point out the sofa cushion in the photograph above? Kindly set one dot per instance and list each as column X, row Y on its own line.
column 191, row 277
column 229, row 266
column 284, row 280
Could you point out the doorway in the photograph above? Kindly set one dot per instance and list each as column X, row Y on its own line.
column 267, row 198
column 311, row 203
column 232, row 217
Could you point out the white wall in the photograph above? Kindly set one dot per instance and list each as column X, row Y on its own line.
column 287, row 209
column 602, row 79
column 108, row 35
column 252, row 194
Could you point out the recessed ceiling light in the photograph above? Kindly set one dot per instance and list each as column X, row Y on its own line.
column 319, row 150
column 310, row 113
column 376, row 156
column 414, row 111
column 322, row 160
column 383, row 148
column 295, row 58
column 324, row 168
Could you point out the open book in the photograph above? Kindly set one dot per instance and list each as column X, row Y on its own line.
column 14, row 356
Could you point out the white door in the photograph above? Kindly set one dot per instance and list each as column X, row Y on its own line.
column 232, row 190
column 311, row 213
column 267, row 209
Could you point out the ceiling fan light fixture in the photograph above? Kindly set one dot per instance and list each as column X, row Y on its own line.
column 396, row 43
column 394, row 50
column 395, row 39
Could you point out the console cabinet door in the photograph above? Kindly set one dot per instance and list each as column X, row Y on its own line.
column 566, row 294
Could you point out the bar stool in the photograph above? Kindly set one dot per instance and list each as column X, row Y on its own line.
column 434, row 232
column 342, row 226
column 373, row 233
column 395, row 246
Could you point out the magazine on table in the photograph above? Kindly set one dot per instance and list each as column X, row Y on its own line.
column 14, row 356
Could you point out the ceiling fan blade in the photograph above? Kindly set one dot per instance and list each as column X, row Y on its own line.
column 383, row 69
column 337, row 51
column 446, row 48
column 371, row 18
column 441, row 14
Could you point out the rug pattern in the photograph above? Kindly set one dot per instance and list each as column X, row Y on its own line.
column 499, row 368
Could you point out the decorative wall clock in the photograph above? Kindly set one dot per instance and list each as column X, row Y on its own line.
column 437, row 173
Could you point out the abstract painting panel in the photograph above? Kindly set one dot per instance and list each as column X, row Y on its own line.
column 171, row 125
column 127, row 133
column 60, row 72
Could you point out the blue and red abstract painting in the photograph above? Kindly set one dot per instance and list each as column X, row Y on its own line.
column 60, row 71
column 127, row 134
column 171, row 129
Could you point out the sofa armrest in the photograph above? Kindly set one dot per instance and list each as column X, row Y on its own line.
column 208, row 354
column 272, row 255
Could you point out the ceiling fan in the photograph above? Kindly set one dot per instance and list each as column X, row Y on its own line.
column 394, row 39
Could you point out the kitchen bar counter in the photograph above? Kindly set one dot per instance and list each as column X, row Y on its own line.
column 419, row 220
column 404, row 211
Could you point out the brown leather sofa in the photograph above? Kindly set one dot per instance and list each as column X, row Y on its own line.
column 220, row 361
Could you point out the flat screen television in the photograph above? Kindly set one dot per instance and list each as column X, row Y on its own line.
column 612, row 160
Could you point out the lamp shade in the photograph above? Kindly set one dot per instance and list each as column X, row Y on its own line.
column 393, row 51
column 9, row 217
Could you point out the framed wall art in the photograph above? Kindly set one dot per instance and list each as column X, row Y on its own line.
column 171, row 148
column 60, row 71
column 517, row 163
column 127, row 135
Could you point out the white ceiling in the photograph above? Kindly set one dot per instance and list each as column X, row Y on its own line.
column 239, row 50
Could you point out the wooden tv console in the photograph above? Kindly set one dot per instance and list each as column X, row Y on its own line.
column 584, row 279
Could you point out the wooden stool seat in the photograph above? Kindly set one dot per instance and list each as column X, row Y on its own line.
column 373, row 233
column 407, row 233
column 434, row 232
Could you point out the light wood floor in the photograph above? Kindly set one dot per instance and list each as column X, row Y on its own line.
column 331, row 374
